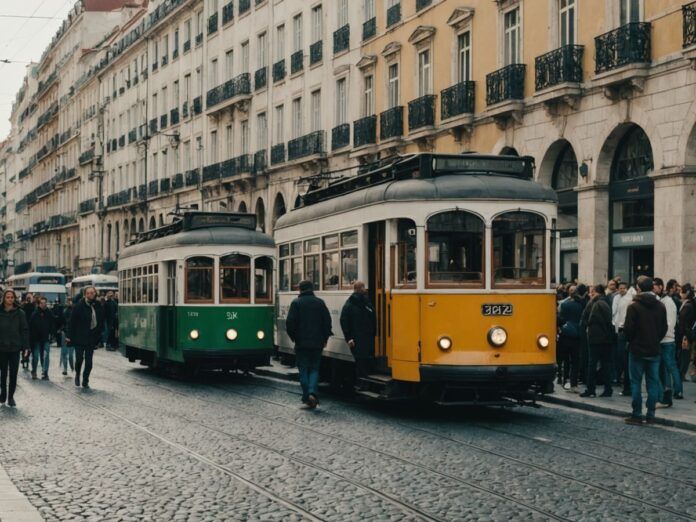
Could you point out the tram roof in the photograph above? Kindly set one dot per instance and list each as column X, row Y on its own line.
column 417, row 178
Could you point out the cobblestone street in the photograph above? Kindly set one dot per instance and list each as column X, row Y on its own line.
column 141, row 447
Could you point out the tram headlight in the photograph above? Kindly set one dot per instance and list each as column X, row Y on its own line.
column 231, row 334
column 261, row 335
column 543, row 342
column 194, row 334
column 497, row 336
column 444, row 343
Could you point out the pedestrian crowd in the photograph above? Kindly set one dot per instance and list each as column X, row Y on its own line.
column 29, row 327
column 621, row 334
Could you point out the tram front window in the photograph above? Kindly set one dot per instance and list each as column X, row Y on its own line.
column 455, row 249
column 263, row 279
column 234, row 278
column 518, row 250
column 199, row 280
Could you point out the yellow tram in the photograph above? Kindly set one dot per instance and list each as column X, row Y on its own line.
column 458, row 253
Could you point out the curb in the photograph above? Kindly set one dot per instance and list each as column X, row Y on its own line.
column 616, row 412
column 285, row 376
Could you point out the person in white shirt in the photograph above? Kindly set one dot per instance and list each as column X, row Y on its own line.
column 669, row 373
column 622, row 299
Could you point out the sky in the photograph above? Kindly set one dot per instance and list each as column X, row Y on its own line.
column 24, row 40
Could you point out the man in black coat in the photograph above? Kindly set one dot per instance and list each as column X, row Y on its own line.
column 28, row 307
column 86, row 327
column 309, row 326
column 600, row 339
column 359, row 325
column 111, row 317
column 41, row 328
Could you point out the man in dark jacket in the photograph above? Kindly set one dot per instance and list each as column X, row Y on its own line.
column 359, row 325
column 645, row 327
column 569, row 317
column 600, row 339
column 14, row 339
column 28, row 307
column 41, row 328
column 309, row 326
column 86, row 327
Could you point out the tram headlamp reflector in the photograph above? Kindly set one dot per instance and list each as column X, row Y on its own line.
column 231, row 334
column 497, row 336
column 194, row 334
column 543, row 342
column 261, row 335
column 444, row 343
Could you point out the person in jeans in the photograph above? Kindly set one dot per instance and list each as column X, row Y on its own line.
column 569, row 316
column 86, row 328
column 67, row 350
column 309, row 326
column 14, row 339
column 28, row 307
column 645, row 327
column 670, row 381
column 600, row 338
column 618, row 314
column 41, row 327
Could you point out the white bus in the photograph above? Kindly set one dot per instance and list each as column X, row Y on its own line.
column 103, row 284
column 50, row 285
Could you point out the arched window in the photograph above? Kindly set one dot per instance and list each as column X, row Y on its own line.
column 141, row 225
column 242, row 208
column 153, row 223
column 518, row 250
column 508, row 151
column 260, row 215
column 199, row 280
column 278, row 207
column 126, row 232
column 455, row 249
column 263, row 279
column 565, row 171
column 118, row 237
column 234, row 278
column 633, row 158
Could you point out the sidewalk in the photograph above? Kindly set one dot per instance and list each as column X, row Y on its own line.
column 14, row 506
column 681, row 415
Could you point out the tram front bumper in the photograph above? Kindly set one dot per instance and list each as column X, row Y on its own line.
column 494, row 375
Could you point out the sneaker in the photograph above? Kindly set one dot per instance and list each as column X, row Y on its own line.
column 77, row 380
column 589, row 394
column 44, row 377
column 679, row 396
column 11, row 402
column 635, row 421
column 312, row 402
column 566, row 386
column 85, row 385
column 65, row 373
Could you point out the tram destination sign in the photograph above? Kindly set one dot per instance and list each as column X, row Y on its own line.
column 496, row 309
column 205, row 220
column 516, row 167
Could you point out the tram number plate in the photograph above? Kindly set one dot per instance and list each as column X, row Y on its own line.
column 496, row 309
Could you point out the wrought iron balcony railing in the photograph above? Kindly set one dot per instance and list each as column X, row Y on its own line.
column 277, row 153
column 689, row 24
column 192, row 177
column 505, row 84
column 174, row 116
column 625, row 45
column 279, row 70
column 211, row 172
column 238, row 86
column 316, row 52
column 187, row 46
column 197, row 105
column 340, row 136
column 153, row 126
column 87, row 206
column 306, row 145
column 163, row 121
column 165, row 185
column 185, row 110
column 239, row 165
column 132, row 136
column 394, row 14
column 563, row 65
column 86, row 157
column 153, row 188
column 422, row 4
column 213, row 23
column 177, row 181
column 421, row 112
column 261, row 78
column 391, row 123
column 260, row 161
column 199, row 39
column 365, row 131
column 457, row 100
column 341, row 39
column 296, row 62
column 244, row 6
column 227, row 13
column 369, row 28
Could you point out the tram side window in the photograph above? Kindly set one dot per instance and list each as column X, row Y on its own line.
column 296, row 252
column 349, row 259
column 199, row 280
column 138, row 288
column 234, row 278
column 284, row 268
column 518, row 250
column 455, row 249
column 406, row 262
column 311, row 261
column 331, row 266
column 263, row 279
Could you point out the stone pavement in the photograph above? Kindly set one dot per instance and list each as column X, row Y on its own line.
column 14, row 506
column 681, row 415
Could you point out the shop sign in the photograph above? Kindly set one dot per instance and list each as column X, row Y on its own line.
column 633, row 239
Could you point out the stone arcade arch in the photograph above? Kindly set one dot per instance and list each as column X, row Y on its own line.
column 153, row 223
column 279, row 208
column 260, row 215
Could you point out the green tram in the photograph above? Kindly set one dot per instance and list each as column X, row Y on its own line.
column 198, row 294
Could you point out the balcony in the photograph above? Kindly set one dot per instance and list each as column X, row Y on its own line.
column 457, row 100
column 316, row 52
column 178, row 181
column 563, row 65
column 122, row 141
column 340, row 136
column 391, row 123
column 192, row 177
column 229, row 93
column 394, row 15
column 369, row 28
column 227, row 13
column 296, row 62
column 165, row 61
column 142, row 192
column 185, row 110
column 421, row 112
column 153, row 126
column 239, row 165
column 197, row 105
column 260, row 78
column 132, row 136
column 277, row 154
column 341, row 39
column 174, row 116
column 199, row 39
column 689, row 24
column 155, row 66
column 153, row 188
column 163, row 121
column 165, row 185
column 260, row 161
column 365, row 131
column 244, row 6
column 187, row 46
column 505, row 84
column 279, row 71
column 212, row 23
column 175, row 54
column 626, row 45
column 86, row 157
column 422, row 4
column 87, row 206
column 211, row 172
column 307, row 145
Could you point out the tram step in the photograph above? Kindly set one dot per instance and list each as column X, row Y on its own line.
column 379, row 378
column 368, row 394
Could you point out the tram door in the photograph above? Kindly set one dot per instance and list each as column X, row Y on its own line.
column 170, row 310
column 377, row 287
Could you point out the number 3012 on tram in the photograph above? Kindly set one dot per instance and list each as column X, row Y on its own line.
column 199, row 294
column 458, row 254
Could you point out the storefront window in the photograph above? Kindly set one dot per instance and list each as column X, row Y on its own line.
column 518, row 250
column 234, row 278
column 455, row 249
column 199, row 280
